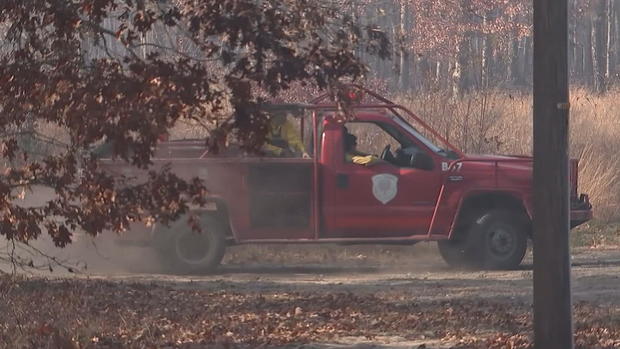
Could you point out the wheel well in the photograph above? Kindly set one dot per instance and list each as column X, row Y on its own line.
column 219, row 210
column 474, row 205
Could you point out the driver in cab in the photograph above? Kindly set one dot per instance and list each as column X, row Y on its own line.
column 355, row 156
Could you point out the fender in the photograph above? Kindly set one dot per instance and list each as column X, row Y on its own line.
column 215, row 204
column 515, row 195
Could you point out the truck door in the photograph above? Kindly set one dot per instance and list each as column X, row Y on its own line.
column 281, row 187
column 386, row 197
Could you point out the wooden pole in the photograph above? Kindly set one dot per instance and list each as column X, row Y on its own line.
column 553, row 328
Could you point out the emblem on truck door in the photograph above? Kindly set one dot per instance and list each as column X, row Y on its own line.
column 384, row 187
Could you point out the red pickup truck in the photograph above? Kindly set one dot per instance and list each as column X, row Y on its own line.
column 477, row 207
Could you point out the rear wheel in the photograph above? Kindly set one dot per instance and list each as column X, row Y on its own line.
column 186, row 251
column 496, row 239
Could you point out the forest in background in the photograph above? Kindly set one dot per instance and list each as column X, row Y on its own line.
column 464, row 45
column 465, row 67
column 454, row 45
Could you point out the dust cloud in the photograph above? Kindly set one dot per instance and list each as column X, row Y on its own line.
column 101, row 255
column 104, row 255
column 86, row 254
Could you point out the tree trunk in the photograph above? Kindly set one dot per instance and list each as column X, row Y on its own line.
column 464, row 64
column 485, row 57
column 588, row 46
column 516, row 64
column 438, row 81
column 572, row 40
column 405, row 64
column 608, row 43
column 462, row 69
column 484, row 64
column 599, row 38
column 594, row 54
column 527, row 60
column 579, row 30
column 456, row 78
column 553, row 326
column 616, row 39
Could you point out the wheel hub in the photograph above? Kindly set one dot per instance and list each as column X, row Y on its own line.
column 501, row 242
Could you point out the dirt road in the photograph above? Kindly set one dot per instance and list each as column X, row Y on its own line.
column 415, row 270
column 375, row 297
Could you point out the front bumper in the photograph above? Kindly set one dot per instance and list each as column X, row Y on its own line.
column 580, row 210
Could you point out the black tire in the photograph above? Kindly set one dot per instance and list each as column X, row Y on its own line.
column 183, row 250
column 459, row 252
column 496, row 239
column 502, row 237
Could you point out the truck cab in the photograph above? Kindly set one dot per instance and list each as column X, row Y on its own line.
column 413, row 186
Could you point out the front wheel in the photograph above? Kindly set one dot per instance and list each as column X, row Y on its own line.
column 502, row 237
column 460, row 251
column 186, row 251
column 496, row 239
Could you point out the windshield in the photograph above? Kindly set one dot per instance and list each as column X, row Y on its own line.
column 402, row 123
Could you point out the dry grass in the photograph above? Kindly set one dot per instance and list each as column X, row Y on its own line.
column 501, row 122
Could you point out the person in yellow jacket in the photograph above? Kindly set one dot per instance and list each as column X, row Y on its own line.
column 283, row 138
column 355, row 156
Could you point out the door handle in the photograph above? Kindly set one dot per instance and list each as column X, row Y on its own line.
column 455, row 178
column 342, row 180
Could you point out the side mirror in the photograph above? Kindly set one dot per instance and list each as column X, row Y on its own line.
column 422, row 161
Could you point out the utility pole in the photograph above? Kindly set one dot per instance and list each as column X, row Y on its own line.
column 553, row 327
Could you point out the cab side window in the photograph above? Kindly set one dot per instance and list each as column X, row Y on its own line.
column 287, row 136
column 371, row 139
column 369, row 143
